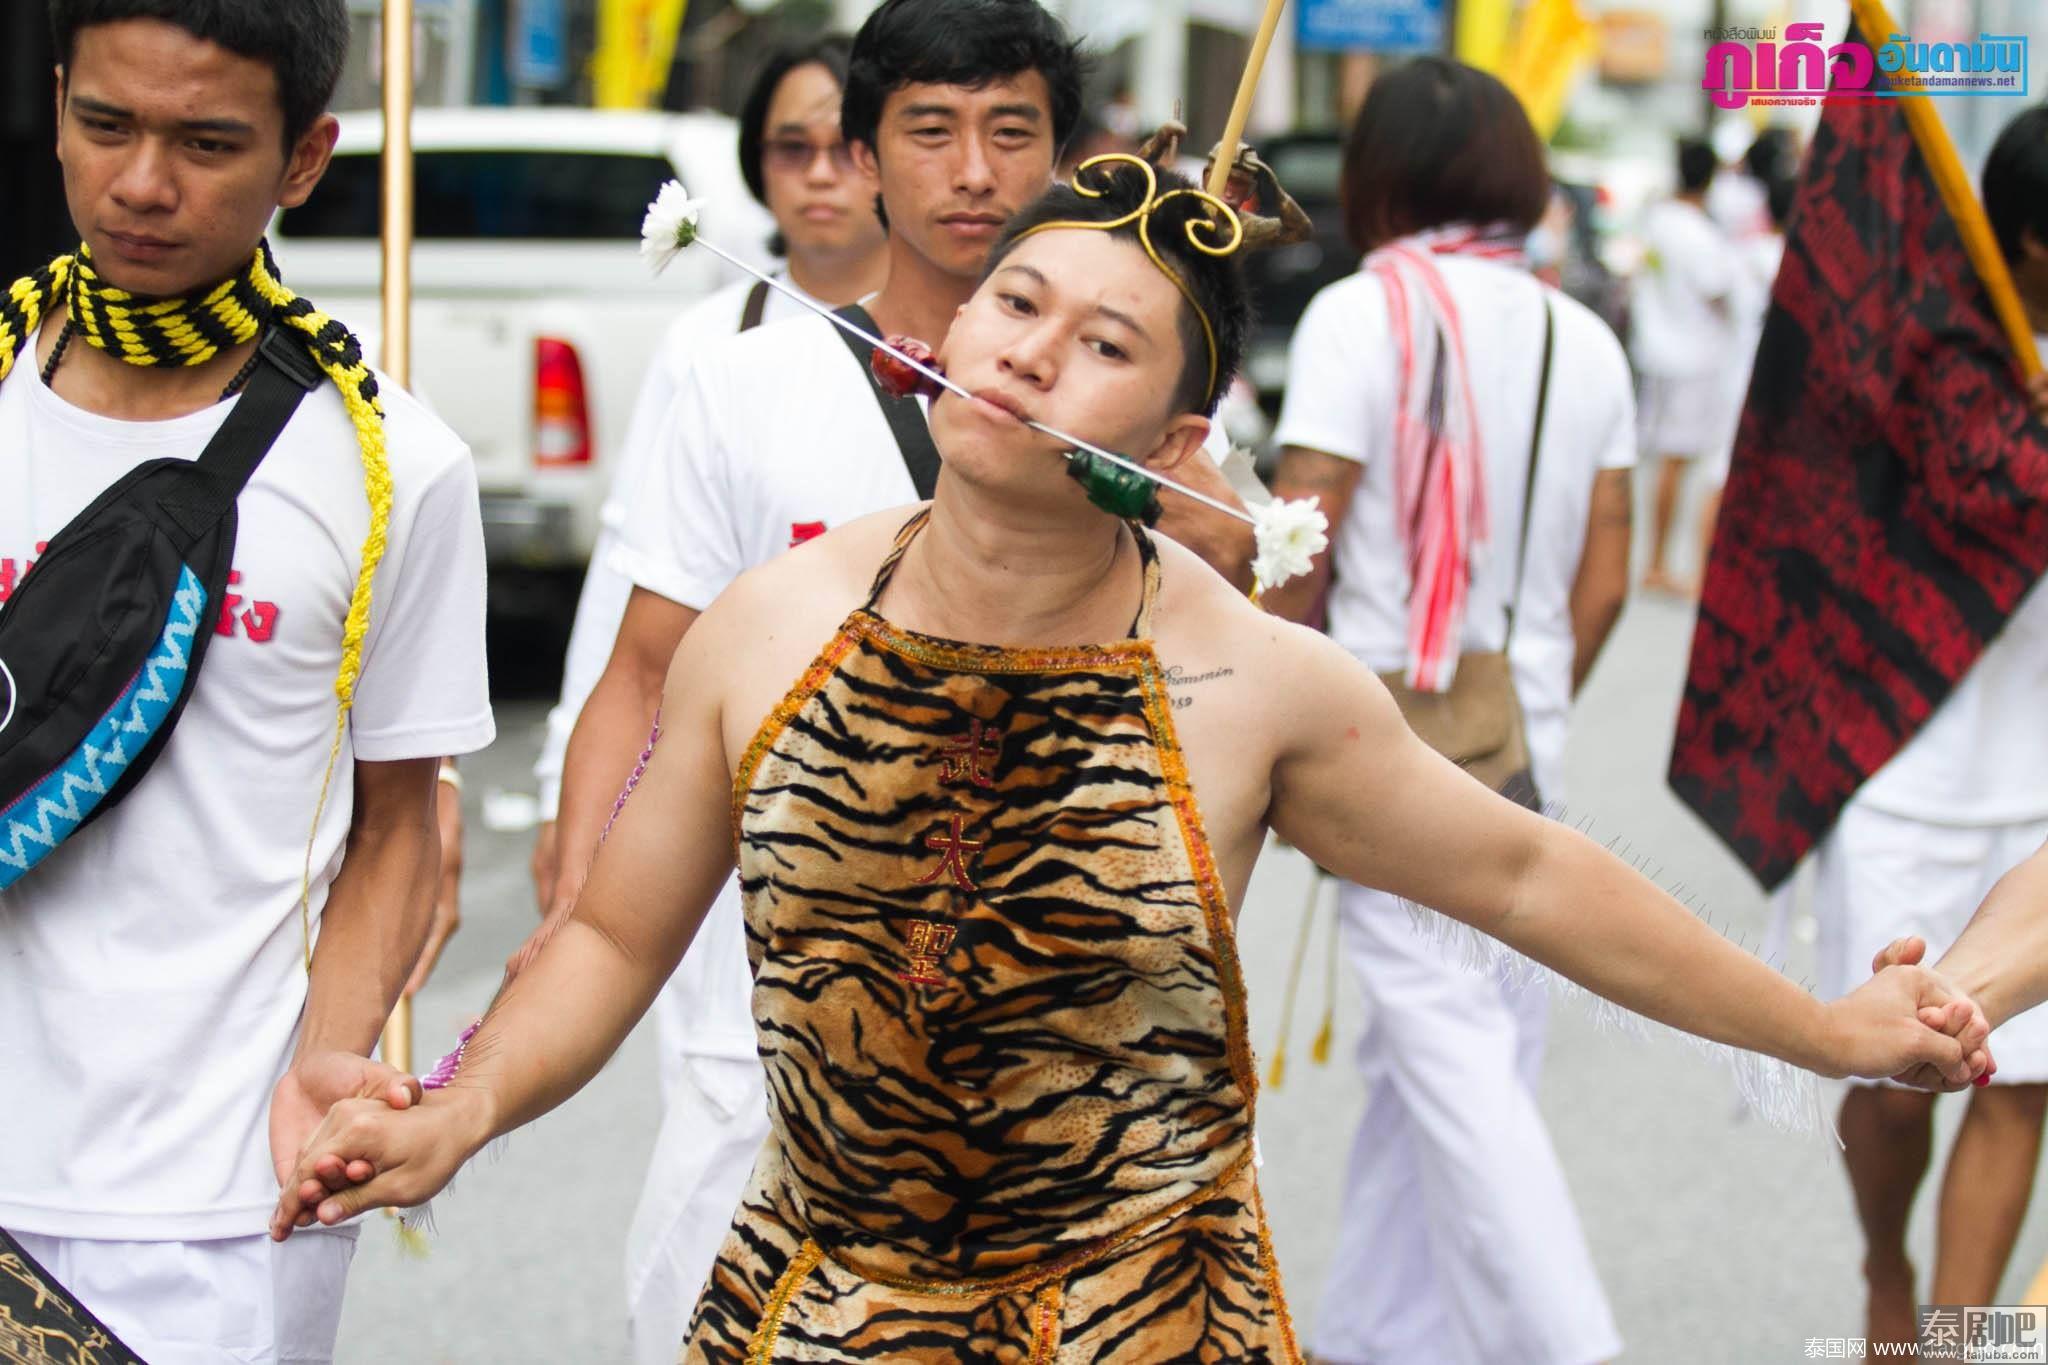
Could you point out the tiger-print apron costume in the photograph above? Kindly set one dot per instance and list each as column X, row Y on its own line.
column 1002, row 1019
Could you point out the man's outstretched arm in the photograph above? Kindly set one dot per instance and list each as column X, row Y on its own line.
column 610, row 732
column 564, row 1015
column 2001, row 957
column 1357, row 792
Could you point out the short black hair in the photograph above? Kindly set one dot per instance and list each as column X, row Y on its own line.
column 2016, row 182
column 1779, row 196
column 1771, row 156
column 969, row 43
column 1437, row 142
column 1696, row 164
column 829, row 51
column 304, row 42
column 1217, row 282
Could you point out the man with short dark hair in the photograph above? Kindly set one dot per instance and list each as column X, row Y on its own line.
column 188, row 983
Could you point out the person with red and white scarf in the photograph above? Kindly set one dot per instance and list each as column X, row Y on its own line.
column 1410, row 412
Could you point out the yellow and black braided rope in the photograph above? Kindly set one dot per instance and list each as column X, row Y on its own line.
column 192, row 331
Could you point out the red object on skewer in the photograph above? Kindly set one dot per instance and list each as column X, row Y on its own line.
column 900, row 380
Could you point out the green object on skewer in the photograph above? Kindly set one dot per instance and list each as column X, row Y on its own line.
column 1116, row 490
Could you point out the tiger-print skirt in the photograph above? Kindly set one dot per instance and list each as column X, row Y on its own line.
column 1197, row 1283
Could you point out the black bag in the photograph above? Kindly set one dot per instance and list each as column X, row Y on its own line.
column 100, row 644
column 40, row 1320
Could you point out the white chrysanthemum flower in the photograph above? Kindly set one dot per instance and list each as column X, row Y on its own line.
column 1290, row 535
column 670, row 225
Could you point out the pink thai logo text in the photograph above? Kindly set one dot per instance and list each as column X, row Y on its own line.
column 1762, row 66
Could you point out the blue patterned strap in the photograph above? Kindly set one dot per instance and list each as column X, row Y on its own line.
column 49, row 812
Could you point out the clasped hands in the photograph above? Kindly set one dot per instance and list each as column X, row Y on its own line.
column 385, row 1142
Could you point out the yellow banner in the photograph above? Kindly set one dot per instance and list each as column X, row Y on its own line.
column 636, row 42
column 1482, row 35
column 1553, row 45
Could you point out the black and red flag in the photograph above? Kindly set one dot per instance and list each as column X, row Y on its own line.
column 1887, row 506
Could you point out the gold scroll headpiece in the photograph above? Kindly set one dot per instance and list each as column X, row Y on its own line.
column 1221, row 226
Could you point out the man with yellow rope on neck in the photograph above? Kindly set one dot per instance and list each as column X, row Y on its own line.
column 188, row 982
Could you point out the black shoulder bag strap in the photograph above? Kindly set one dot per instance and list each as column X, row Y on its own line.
column 273, row 394
column 1535, row 453
column 757, row 306
column 906, row 419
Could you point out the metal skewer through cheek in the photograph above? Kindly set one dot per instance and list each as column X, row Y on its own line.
column 939, row 378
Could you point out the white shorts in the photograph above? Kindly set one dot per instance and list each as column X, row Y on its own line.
column 227, row 1301
column 1879, row 877
column 1683, row 415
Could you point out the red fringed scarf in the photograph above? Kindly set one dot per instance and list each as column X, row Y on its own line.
column 1439, row 466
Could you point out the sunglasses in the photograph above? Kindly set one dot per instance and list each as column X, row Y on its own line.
column 795, row 154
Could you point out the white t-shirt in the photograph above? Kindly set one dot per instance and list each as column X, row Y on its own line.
column 1738, row 203
column 1982, row 757
column 151, row 969
column 1341, row 399
column 1677, row 330
column 602, row 604
column 775, row 439
column 774, row 436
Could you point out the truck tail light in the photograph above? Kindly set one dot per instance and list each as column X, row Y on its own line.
column 561, row 409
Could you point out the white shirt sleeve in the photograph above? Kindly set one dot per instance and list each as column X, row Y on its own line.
column 602, row 603
column 1337, row 372
column 679, row 535
column 424, row 690
column 1617, row 447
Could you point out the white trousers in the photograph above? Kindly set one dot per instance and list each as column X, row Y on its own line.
column 227, row 1301
column 1459, row 1244
column 711, row 1132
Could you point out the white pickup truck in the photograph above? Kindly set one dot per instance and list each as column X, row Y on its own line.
column 534, row 315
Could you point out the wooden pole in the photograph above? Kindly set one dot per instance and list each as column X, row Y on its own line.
column 1241, row 110
column 397, row 292
column 1979, row 241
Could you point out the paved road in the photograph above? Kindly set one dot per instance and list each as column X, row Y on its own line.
column 1720, row 1241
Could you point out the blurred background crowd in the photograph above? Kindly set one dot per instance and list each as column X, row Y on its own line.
column 544, row 126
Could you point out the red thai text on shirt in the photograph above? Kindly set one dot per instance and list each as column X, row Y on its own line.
column 257, row 622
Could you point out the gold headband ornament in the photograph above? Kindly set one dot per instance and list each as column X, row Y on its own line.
column 1288, row 534
column 1221, row 223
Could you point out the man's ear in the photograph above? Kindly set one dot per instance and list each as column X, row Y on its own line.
column 59, row 69
column 308, row 161
column 864, row 158
column 1184, row 436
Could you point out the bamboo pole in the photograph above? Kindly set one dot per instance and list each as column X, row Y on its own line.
column 397, row 312
column 1241, row 109
column 1956, row 192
